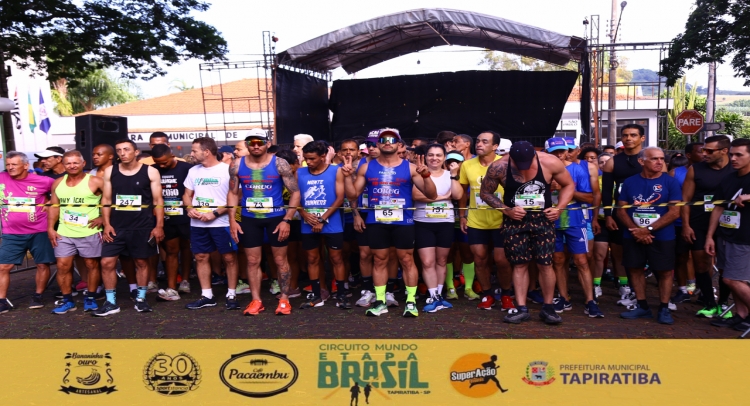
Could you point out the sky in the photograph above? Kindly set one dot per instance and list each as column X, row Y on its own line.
column 241, row 23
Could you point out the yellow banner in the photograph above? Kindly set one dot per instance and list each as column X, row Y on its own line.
column 374, row 372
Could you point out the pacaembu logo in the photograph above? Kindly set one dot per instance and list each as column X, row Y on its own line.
column 258, row 373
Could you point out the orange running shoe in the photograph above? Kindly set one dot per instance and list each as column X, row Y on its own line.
column 507, row 303
column 255, row 307
column 284, row 307
column 334, row 288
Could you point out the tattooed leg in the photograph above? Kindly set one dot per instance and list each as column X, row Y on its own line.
column 284, row 274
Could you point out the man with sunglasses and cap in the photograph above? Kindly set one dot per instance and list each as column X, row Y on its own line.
column 529, row 219
column 389, row 180
column 259, row 180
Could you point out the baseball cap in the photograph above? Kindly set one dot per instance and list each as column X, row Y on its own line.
column 619, row 145
column 522, row 153
column 257, row 133
column 504, row 146
column 226, row 148
column 389, row 131
column 555, row 144
column 454, row 156
column 51, row 151
column 572, row 142
column 373, row 136
column 363, row 148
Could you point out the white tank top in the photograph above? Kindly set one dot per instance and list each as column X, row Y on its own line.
column 440, row 211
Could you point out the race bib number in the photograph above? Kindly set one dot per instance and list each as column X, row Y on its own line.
column 533, row 201
column 645, row 219
column 730, row 219
column 128, row 200
column 74, row 219
column 438, row 210
column 708, row 206
column 259, row 204
column 347, row 206
column 389, row 213
column 481, row 203
column 316, row 212
column 204, row 204
column 365, row 203
column 12, row 201
column 170, row 209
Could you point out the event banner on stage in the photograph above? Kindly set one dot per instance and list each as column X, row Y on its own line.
column 374, row 372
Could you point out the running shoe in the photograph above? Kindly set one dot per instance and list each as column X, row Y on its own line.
column 592, row 310
column 452, row 295
column 73, row 292
column 432, row 305
column 152, row 287
column 446, row 304
column 664, row 316
column 81, row 286
column 624, row 291
column 366, row 299
column 411, row 310
column 36, row 301
column 516, row 316
column 231, row 303
column 284, row 307
column 507, row 303
column 607, row 276
column 133, row 294
column 255, row 307
column 218, row 279
column 535, row 296
column 169, row 295
column 680, row 297
column 343, row 303
column 63, row 307
column 390, row 300
column 470, row 294
column 142, row 306
column 486, row 303
column 242, row 288
column 107, row 309
column 274, row 289
column 377, row 309
column 690, row 288
column 709, row 312
column 89, row 305
column 312, row 301
column 550, row 318
column 744, row 325
column 325, row 294
column 497, row 293
column 597, row 291
column 561, row 305
column 637, row 313
column 628, row 300
column 185, row 287
column 308, row 289
column 334, row 287
column 201, row 303
column 672, row 307
column 727, row 322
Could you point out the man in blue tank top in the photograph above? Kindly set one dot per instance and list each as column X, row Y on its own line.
column 259, row 180
column 389, row 180
column 321, row 194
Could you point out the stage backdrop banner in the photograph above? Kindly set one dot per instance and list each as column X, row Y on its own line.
column 518, row 105
column 381, row 372
column 301, row 106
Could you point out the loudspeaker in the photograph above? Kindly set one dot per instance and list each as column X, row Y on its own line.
column 93, row 130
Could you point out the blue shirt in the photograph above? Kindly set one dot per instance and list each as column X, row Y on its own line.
column 317, row 193
column 679, row 173
column 262, row 190
column 390, row 188
column 574, row 218
column 638, row 190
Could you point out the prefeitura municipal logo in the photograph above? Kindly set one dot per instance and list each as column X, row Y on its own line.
column 172, row 376
column 539, row 373
column 88, row 374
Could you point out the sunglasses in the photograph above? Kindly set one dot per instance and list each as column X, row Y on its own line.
column 371, row 144
column 710, row 151
column 388, row 140
column 256, row 143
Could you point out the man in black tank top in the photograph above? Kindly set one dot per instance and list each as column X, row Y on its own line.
column 702, row 181
column 132, row 231
column 615, row 171
column 529, row 219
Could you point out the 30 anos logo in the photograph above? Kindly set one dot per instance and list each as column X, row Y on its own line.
column 258, row 373
column 539, row 373
column 88, row 374
column 476, row 375
column 172, row 376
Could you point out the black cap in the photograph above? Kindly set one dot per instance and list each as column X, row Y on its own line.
column 522, row 153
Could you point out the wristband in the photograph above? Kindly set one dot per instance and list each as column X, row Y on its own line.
column 427, row 175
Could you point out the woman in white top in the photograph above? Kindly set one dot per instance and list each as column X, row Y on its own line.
column 433, row 221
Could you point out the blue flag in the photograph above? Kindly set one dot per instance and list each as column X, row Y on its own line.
column 44, row 123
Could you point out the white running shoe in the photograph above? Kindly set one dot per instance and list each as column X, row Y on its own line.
column 672, row 306
column 624, row 291
column 597, row 291
column 275, row 287
column 184, row 286
column 242, row 288
column 169, row 295
column 152, row 287
column 390, row 300
column 366, row 299
column 628, row 300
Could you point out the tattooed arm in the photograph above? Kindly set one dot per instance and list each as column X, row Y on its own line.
column 495, row 177
column 290, row 181
column 233, row 198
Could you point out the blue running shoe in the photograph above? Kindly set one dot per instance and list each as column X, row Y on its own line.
column 592, row 310
column 680, row 297
column 535, row 296
column 89, row 305
column 446, row 304
column 561, row 305
column 664, row 316
column 63, row 307
column 432, row 305
column 201, row 303
column 218, row 280
column 637, row 313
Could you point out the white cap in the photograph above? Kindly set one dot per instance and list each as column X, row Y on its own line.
column 257, row 133
column 619, row 145
column 504, row 146
column 47, row 153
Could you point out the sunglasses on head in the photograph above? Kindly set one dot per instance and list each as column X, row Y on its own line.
column 388, row 140
column 256, row 143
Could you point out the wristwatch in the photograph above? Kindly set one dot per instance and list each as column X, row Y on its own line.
column 454, row 177
column 287, row 221
column 650, row 228
column 216, row 213
column 322, row 220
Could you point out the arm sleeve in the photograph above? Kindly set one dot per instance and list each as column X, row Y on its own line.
column 608, row 188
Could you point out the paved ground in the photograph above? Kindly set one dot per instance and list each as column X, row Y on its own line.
column 172, row 320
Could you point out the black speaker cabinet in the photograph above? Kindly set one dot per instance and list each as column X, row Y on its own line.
column 93, row 130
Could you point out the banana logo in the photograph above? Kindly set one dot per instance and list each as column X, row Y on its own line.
column 90, row 380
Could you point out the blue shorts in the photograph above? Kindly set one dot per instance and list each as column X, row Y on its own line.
column 575, row 238
column 205, row 240
column 459, row 236
column 14, row 246
column 589, row 232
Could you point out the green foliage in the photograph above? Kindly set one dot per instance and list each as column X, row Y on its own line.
column 504, row 62
column 180, row 84
column 100, row 89
column 715, row 30
column 62, row 105
column 740, row 103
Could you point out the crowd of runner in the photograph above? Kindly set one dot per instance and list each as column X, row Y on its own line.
column 503, row 223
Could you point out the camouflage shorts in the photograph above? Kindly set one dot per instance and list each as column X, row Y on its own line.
column 531, row 238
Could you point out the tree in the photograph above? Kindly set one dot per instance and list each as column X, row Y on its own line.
column 503, row 61
column 715, row 30
column 180, row 84
column 100, row 89
column 68, row 39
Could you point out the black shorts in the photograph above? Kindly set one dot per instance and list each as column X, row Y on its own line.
column 254, row 229
column 384, row 236
column 616, row 236
column 349, row 233
column 295, row 230
column 172, row 231
column 334, row 241
column 131, row 243
column 603, row 235
column 700, row 239
column 478, row 236
column 531, row 238
column 680, row 245
column 430, row 235
column 659, row 255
